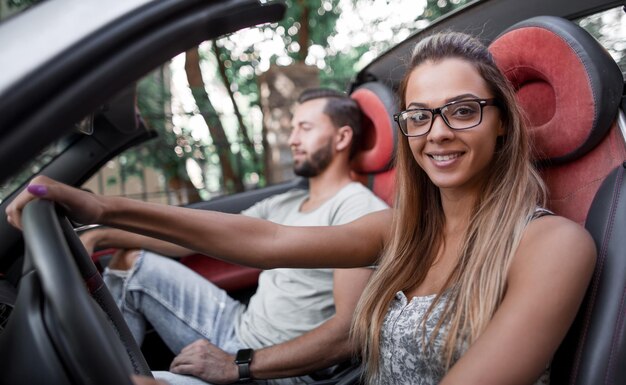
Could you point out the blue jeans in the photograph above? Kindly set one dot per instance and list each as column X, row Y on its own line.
column 181, row 305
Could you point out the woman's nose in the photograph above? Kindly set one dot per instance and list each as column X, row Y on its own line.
column 439, row 130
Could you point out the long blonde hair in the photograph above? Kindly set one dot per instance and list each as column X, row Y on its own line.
column 508, row 198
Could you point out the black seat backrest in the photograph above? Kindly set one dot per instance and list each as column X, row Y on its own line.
column 570, row 89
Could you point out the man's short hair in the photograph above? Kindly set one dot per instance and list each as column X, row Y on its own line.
column 341, row 109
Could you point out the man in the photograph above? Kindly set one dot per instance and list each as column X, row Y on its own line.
column 298, row 320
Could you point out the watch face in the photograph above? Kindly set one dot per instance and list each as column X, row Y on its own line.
column 244, row 356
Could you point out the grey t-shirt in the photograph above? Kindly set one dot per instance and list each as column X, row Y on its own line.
column 290, row 302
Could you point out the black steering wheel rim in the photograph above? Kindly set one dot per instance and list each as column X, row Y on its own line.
column 97, row 344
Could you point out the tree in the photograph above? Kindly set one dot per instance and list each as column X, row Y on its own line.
column 170, row 150
column 297, row 34
column 308, row 35
column 243, row 130
column 232, row 181
column 605, row 28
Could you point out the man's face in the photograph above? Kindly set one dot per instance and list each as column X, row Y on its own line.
column 312, row 138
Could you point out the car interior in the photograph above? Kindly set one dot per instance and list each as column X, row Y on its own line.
column 572, row 93
column 573, row 108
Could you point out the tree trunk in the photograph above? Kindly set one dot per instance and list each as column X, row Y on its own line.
column 243, row 130
column 303, row 34
column 184, row 191
column 232, row 181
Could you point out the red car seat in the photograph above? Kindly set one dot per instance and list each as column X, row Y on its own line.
column 372, row 166
column 571, row 90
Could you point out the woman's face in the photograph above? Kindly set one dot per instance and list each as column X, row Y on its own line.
column 454, row 160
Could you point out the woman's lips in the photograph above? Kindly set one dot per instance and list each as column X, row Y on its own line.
column 445, row 159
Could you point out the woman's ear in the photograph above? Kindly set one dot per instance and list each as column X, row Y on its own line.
column 344, row 138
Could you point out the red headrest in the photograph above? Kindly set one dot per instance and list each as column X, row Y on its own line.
column 379, row 136
column 567, row 84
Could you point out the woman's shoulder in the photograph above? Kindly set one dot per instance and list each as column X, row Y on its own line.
column 552, row 240
column 548, row 226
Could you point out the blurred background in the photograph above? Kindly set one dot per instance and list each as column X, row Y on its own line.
column 222, row 109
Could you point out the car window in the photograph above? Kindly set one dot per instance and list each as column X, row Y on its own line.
column 609, row 28
column 181, row 164
column 13, row 7
column 34, row 166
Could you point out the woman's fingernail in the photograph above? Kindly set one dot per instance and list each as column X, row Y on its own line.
column 37, row 190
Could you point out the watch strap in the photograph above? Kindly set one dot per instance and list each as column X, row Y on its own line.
column 243, row 358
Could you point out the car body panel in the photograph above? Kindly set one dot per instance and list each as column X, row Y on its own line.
column 61, row 88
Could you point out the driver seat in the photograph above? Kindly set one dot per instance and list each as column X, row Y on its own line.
column 571, row 89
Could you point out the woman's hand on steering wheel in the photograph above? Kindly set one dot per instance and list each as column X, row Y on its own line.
column 79, row 205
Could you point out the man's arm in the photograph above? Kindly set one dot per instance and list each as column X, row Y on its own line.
column 324, row 346
column 104, row 238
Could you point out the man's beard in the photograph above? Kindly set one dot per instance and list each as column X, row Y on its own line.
column 319, row 161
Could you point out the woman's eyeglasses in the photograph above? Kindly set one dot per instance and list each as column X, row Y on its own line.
column 458, row 115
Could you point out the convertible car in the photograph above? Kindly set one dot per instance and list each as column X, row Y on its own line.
column 64, row 62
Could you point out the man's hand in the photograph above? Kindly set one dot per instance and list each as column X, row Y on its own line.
column 82, row 206
column 206, row 361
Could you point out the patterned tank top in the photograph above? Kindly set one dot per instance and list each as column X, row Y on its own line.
column 403, row 359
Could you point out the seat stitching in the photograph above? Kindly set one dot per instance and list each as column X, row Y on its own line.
column 616, row 333
column 596, row 278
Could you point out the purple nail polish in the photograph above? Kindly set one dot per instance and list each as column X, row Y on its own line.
column 37, row 190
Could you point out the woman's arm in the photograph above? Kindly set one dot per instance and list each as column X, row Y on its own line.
column 105, row 238
column 545, row 287
column 232, row 237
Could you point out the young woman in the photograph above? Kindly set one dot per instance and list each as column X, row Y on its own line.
column 476, row 283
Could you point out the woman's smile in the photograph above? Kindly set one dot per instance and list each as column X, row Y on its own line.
column 445, row 159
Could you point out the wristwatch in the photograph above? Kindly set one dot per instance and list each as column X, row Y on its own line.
column 243, row 360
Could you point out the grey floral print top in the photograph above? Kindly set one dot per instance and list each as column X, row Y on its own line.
column 402, row 357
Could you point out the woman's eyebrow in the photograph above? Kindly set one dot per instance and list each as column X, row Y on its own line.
column 451, row 99
column 461, row 97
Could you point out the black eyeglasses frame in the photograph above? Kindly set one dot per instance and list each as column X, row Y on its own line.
column 437, row 111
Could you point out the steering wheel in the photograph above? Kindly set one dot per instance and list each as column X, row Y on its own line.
column 90, row 342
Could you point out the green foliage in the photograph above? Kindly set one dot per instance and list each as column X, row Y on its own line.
column 169, row 151
column 9, row 8
column 243, row 64
column 437, row 8
column 605, row 28
column 242, row 69
column 340, row 69
column 21, row 3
